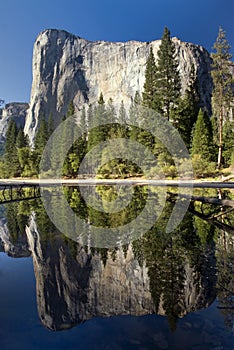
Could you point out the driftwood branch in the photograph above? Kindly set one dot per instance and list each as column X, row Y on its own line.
column 215, row 201
column 211, row 219
column 221, row 225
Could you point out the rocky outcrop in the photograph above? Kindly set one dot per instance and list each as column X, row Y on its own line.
column 74, row 285
column 16, row 111
column 67, row 67
column 16, row 248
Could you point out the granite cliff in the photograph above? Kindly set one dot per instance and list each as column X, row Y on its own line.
column 67, row 67
column 16, row 111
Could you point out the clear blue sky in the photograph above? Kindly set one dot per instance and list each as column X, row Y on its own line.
column 113, row 20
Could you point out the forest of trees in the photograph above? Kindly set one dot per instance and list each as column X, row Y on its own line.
column 209, row 138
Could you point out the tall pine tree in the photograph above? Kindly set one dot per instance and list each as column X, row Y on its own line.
column 11, row 161
column 202, row 137
column 222, row 90
column 168, row 84
column 41, row 137
column 148, row 94
column 185, row 115
column 40, row 142
column 228, row 143
column 69, row 135
column 202, row 146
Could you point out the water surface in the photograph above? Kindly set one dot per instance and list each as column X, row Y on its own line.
column 161, row 291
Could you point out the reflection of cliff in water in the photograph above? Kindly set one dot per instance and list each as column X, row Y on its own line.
column 167, row 274
column 74, row 285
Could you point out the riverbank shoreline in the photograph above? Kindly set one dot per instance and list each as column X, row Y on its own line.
column 91, row 181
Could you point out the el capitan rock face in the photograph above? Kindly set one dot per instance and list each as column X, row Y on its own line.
column 67, row 67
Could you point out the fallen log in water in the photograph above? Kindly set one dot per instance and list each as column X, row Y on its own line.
column 221, row 225
column 209, row 200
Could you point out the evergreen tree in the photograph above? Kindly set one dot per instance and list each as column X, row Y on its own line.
column 185, row 115
column 70, row 110
column 41, row 136
column 135, row 114
column 228, row 143
column 68, row 169
column 135, row 108
column 40, row 142
column 98, row 133
column 79, row 148
column 21, row 139
column 117, row 167
column 168, row 85
column 222, row 86
column 150, row 81
column 140, row 116
column 24, row 154
column 192, row 94
column 110, row 112
column 11, row 137
column 112, row 119
column 11, row 162
column 89, row 116
column 83, row 123
column 122, row 119
column 50, row 124
column 202, row 137
column 101, row 99
column 202, row 146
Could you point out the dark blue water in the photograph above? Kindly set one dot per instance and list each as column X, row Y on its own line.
column 20, row 327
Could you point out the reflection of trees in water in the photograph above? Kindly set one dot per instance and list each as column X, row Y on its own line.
column 168, row 257
column 225, row 264
column 17, row 215
column 218, row 216
column 225, row 282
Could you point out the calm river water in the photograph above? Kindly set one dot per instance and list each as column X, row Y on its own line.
column 153, row 290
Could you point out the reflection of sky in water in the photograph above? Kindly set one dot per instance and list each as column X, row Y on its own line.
column 20, row 326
